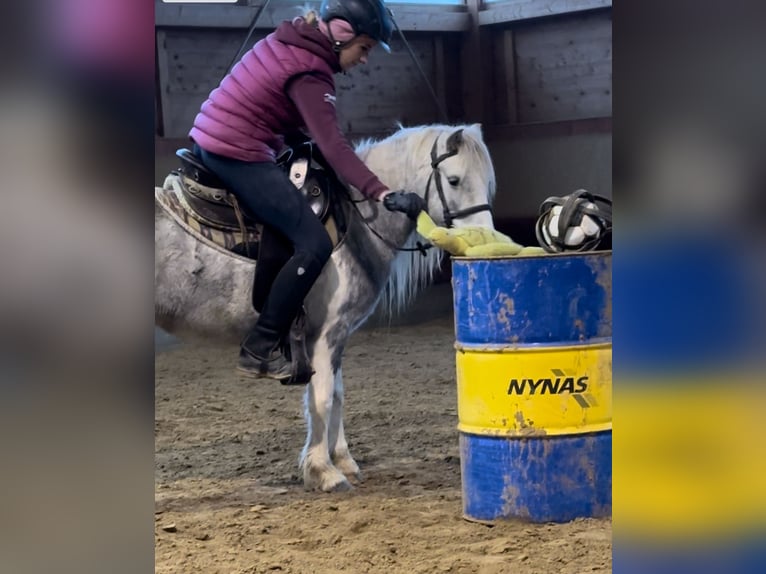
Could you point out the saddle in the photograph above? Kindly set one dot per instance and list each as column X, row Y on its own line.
column 200, row 202
column 221, row 219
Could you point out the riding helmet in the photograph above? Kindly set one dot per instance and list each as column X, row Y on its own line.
column 369, row 17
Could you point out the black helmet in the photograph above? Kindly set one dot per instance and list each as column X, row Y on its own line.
column 370, row 17
column 575, row 222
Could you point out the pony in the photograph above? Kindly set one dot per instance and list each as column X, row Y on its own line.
column 206, row 291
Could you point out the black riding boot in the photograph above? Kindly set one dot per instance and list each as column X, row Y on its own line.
column 260, row 355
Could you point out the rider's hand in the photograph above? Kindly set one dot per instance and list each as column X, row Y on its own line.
column 409, row 203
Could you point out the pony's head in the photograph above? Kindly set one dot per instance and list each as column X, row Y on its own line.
column 451, row 167
column 457, row 177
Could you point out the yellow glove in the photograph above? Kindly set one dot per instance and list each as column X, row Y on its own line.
column 471, row 241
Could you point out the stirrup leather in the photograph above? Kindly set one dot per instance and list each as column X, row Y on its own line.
column 295, row 350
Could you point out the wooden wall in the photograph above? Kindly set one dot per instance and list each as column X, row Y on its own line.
column 389, row 89
column 548, row 113
column 371, row 98
column 191, row 64
column 552, row 70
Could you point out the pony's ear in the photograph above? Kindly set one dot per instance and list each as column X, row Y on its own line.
column 475, row 130
column 454, row 141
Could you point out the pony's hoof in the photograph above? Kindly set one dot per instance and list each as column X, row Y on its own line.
column 342, row 486
column 356, row 478
column 328, row 481
column 349, row 468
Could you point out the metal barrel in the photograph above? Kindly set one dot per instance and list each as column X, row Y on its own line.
column 534, row 385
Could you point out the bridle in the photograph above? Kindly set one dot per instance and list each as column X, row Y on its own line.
column 436, row 177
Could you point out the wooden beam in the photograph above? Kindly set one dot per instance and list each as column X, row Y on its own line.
column 509, row 68
column 163, row 145
column 159, row 128
column 475, row 57
column 440, row 73
column 162, row 74
column 412, row 18
column 549, row 129
column 516, row 10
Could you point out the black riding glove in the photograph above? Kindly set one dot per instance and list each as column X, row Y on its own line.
column 406, row 202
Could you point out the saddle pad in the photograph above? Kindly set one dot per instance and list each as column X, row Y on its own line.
column 172, row 199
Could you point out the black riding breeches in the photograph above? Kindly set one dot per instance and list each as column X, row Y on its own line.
column 266, row 194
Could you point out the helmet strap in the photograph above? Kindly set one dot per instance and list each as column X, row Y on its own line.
column 336, row 45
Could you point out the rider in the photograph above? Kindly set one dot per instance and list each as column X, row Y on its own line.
column 284, row 84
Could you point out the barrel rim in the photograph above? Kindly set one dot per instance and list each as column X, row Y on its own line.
column 464, row 258
column 535, row 433
column 605, row 343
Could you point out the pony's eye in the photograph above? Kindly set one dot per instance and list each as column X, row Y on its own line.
column 453, row 181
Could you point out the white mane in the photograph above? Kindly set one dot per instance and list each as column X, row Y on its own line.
column 412, row 271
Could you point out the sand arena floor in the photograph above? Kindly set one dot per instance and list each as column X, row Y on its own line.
column 229, row 497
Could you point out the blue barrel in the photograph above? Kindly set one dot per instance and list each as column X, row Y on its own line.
column 534, row 375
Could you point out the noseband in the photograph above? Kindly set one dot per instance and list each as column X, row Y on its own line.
column 436, row 176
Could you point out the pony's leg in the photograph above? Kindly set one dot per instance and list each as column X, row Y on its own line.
column 337, row 438
column 319, row 473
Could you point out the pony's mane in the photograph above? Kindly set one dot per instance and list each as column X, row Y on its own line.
column 411, row 271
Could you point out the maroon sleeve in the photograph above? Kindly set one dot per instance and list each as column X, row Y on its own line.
column 315, row 100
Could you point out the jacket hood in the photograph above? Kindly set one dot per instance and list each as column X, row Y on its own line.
column 307, row 37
